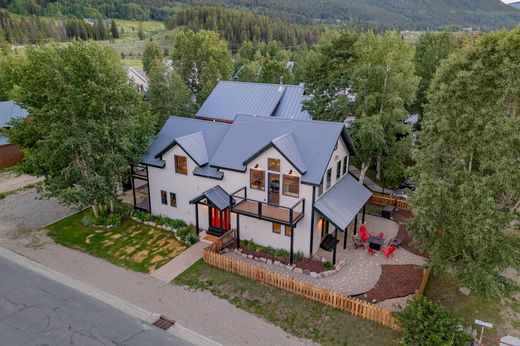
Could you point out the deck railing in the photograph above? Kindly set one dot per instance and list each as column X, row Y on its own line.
column 307, row 290
column 384, row 199
column 294, row 213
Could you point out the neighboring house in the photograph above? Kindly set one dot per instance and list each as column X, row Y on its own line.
column 230, row 98
column 10, row 154
column 277, row 181
column 138, row 77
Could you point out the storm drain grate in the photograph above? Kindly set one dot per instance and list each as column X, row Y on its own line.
column 163, row 323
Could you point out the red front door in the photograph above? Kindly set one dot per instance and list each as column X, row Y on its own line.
column 216, row 221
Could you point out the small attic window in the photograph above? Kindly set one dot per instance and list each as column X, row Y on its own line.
column 273, row 164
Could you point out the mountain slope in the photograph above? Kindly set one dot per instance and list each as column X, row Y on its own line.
column 401, row 14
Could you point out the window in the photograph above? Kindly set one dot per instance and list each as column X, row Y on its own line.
column 181, row 165
column 257, row 179
column 173, row 200
column 277, row 228
column 288, row 231
column 338, row 170
column 329, row 177
column 291, row 185
column 273, row 165
column 320, row 189
column 164, row 197
column 345, row 164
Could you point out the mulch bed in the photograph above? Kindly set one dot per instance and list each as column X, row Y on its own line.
column 304, row 263
column 401, row 216
column 396, row 281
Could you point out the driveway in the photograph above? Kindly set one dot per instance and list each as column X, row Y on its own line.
column 35, row 310
column 199, row 311
column 10, row 181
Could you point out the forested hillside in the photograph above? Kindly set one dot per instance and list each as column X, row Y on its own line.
column 384, row 14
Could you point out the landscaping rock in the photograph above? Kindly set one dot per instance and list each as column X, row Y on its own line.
column 306, row 271
column 314, row 275
column 244, row 255
column 323, row 260
column 277, row 263
column 290, row 267
column 226, row 250
column 298, row 270
column 250, row 256
column 329, row 273
column 264, row 260
column 465, row 291
column 342, row 263
column 269, row 261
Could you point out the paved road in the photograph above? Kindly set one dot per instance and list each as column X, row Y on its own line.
column 35, row 310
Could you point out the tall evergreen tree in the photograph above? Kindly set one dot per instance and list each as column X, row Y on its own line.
column 114, row 30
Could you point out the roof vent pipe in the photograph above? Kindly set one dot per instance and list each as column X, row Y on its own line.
column 281, row 84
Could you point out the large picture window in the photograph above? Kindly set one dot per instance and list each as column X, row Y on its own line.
column 291, row 185
column 181, row 165
column 257, row 179
column 273, row 165
column 329, row 177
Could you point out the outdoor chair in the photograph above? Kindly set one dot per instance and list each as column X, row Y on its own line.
column 396, row 242
column 388, row 251
column 358, row 242
column 371, row 251
column 381, row 235
column 363, row 233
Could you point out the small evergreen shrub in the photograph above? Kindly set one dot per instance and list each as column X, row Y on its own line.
column 327, row 265
column 298, row 256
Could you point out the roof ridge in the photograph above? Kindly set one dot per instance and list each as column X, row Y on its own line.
column 220, row 123
column 261, row 83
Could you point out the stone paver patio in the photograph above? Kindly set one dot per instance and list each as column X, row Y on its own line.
column 361, row 271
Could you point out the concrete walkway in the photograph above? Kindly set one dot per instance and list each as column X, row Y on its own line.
column 369, row 182
column 177, row 265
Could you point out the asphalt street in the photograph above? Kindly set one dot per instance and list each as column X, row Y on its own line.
column 35, row 310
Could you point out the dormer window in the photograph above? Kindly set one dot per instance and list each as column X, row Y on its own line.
column 181, row 165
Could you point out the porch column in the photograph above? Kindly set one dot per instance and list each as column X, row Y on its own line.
column 197, row 217
column 335, row 247
column 355, row 225
column 221, row 229
column 238, row 231
column 363, row 219
column 345, row 233
column 148, row 186
column 292, row 245
column 312, row 220
column 133, row 190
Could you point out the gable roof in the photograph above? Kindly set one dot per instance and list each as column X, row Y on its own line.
column 216, row 195
column 230, row 98
column 179, row 128
column 10, row 110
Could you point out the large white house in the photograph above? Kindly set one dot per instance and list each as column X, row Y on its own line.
column 278, row 181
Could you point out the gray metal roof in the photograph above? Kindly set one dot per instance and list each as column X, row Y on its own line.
column 195, row 146
column 208, row 172
column 3, row 140
column 10, row 110
column 177, row 127
column 216, row 195
column 314, row 141
column 288, row 147
column 230, row 98
column 343, row 201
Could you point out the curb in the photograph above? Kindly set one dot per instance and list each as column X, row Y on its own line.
column 106, row 298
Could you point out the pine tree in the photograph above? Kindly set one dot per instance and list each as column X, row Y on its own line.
column 114, row 30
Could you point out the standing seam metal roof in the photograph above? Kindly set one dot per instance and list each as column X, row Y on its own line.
column 216, row 195
column 343, row 201
column 10, row 110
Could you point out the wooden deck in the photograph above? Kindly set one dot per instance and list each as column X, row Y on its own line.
column 268, row 211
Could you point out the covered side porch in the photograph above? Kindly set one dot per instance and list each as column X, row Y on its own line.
column 337, row 209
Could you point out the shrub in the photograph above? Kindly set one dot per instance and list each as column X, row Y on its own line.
column 188, row 235
column 270, row 250
column 298, row 256
column 327, row 265
column 427, row 323
column 281, row 253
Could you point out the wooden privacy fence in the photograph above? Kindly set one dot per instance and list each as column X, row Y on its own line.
column 425, row 275
column 309, row 291
column 10, row 155
column 379, row 198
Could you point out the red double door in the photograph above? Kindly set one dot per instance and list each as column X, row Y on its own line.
column 216, row 221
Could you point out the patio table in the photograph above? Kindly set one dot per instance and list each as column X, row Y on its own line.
column 376, row 243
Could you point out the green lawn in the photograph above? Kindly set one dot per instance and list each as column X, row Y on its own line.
column 443, row 289
column 131, row 244
column 296, row 315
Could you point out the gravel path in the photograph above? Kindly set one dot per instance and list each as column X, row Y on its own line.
column 200, row 311
column 10, row 181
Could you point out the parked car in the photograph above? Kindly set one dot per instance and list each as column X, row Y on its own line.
column 401, row 193
column 407, row 184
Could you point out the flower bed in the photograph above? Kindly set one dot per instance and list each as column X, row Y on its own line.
column 183, row 231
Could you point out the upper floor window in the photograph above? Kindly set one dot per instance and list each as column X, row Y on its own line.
column 345, row 164
column 181, row 165
column 338, row 170
column 273, row 164
column 257, row 179
column 164, row 197
column 329, row 177
column 291, row 185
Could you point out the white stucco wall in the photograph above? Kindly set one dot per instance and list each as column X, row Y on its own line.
column 187, row 187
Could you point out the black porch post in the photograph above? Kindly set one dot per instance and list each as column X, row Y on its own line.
column 197, row 217
column 148, row 185
column 312, row 220
column 355, row 225
column 345, row 238
column 238, row 231
column 335, row 247
column 292, row 244
column 363, row 219
column 133, row 190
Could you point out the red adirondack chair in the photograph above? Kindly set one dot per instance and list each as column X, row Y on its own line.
column 363, row 234
column 389, row 251
column 371, row 251
column 381, row 235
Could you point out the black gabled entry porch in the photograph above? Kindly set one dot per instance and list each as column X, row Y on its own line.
column 219, row 211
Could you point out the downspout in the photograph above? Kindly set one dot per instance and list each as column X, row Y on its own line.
column 312, row 220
